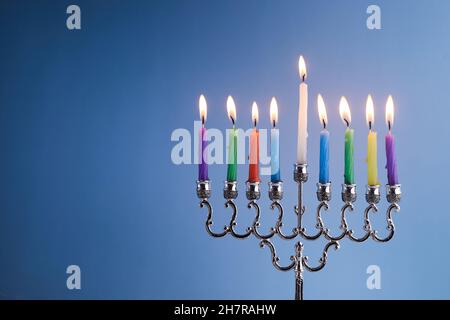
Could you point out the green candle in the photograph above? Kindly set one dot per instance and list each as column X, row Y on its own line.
column 349, row 177
column 344, row 111
column 232, row 156
column 232, row 146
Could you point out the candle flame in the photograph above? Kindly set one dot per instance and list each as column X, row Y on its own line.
column 344, row 111
column 369, row 112
column 390, row 112
column 302, row 68
column 255, row 113
column 273, row 111
column 322, row 110
column 231, row 109
column 202, row 107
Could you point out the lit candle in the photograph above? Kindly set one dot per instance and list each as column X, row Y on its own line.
column 344, row 111
column 253, row 172
column 203, row 166
column 372, row 162
column 324, row 176
column 302, row 114
column 232, row 146
column 274, row 143
column 391, row 162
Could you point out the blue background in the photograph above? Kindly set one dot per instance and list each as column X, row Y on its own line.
column 86, row 118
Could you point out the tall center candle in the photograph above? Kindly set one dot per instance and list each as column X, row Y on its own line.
column 372, row 162
column 253, row 171
column 302, row 132
column 274, row 143
column 391, row 162
column 324, row 175
column 202, row 166
column 344, row 110
column 232, row 146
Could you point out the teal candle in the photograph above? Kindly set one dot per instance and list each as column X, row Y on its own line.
column 274, row 143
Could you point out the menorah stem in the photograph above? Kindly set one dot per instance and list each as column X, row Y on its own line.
column 298, row 271
column 300, row 176
column 298, row 286
column 300, row 205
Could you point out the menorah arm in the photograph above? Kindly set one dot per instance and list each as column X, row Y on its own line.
column 367, row 226
column 326, row 232
column 256, row 222
column 209, row 222
column 233, row 223
column 322, row 260
column 390, row 224
column 278, row 230
column 302, row 230
column 275, row 259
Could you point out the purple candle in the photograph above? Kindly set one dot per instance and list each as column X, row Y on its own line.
column 391, row 162
column 203, row 165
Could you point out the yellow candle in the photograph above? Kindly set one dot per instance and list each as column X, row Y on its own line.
column 372, row 163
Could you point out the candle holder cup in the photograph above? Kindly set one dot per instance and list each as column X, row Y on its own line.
column 203, row 189
column 252, row 192
column 299, row 262
column 276, row 191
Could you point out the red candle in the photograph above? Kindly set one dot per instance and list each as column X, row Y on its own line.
column 253, row 171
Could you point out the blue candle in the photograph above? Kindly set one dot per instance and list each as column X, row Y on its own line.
column 324, row 175
column 274, row 143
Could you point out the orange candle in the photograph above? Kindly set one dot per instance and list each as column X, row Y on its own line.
column 253, row 170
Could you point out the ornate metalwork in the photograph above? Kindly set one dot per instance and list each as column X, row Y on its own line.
column 299, row 262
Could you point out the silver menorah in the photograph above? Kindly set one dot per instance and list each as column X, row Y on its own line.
column 299, row 262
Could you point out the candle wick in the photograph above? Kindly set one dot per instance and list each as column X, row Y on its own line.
column 346, row 121
column 203, row 121
column 232, row 120
column 255, row 123
column 389, row 125
column 273, row 123
column 303, row 77
column 324, row 124
column 370, row 125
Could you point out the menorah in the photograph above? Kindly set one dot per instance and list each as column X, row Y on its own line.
column 299, row 262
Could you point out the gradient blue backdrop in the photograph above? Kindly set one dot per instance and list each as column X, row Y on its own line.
column 86, row 117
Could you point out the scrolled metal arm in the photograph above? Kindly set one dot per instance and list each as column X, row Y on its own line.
column 322, row 260
column 367, row 226
column 233, row 223
column 326, row 232
column 256, row 222
column 275, row 259
column 279, row 224
column 209, row 222
column 302, row 230
column 390, row 224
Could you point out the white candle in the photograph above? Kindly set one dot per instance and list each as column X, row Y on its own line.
column 302, row 114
